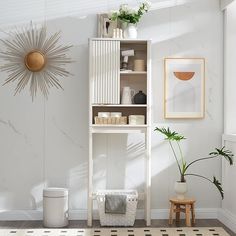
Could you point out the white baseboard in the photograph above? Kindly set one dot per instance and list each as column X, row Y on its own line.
column 201, row 213
column 15, row 215
column 228, row 219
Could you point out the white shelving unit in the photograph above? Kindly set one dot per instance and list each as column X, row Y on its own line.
column 106, row 82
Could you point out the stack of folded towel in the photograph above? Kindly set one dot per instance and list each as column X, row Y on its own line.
column 115, row 204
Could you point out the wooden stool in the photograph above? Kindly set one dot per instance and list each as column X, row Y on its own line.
column 186, row 206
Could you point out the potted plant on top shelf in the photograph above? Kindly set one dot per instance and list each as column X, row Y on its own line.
column 129, row 18
column 183, row 166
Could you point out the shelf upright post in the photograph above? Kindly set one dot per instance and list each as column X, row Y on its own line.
column 148, row 140
column 90, row 164
column 90, row 181
column 148, row 178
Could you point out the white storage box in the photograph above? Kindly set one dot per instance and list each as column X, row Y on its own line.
column 126, row 219
column 55, row 207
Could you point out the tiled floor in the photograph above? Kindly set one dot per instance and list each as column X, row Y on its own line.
column 138, row 223
column 122, row 231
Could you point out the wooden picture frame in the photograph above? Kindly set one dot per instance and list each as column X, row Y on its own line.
column 184, row 92
column 105, row 26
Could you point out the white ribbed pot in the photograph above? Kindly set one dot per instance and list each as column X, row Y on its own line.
column 130, row 31
column 180, row 189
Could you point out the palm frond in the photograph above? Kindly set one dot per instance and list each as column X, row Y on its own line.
column 219, row 186
column 172, row 136
column 215, row 182
column 228, row 155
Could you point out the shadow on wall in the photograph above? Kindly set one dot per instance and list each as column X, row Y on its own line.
column 52, row 10
column 56, row 151
column 181, row 31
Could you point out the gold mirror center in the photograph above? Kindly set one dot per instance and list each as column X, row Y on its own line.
column 35, row 61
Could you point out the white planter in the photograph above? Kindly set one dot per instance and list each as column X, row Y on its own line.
column 180, row 189
column 130, row 31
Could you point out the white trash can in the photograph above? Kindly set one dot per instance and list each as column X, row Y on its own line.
column 55, row 207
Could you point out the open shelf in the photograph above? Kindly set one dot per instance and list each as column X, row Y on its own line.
column 138, row 82
column 125, row 110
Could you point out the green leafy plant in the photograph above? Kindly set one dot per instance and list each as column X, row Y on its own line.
column 129, row 15
column 183, row 167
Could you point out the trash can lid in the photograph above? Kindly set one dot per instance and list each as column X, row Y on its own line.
column 55, row 192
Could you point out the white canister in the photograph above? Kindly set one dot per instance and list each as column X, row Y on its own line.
column 55, row 207
column 139, row 65
column 136, row 119
column 104, row 114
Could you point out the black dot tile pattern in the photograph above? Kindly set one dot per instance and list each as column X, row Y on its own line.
column 185, row 231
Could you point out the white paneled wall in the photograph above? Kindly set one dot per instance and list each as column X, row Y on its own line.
column 228, row 214
column 230, row 73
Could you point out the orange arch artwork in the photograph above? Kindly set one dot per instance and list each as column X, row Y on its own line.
column 184, row 75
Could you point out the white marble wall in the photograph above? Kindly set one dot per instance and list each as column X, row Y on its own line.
column 46, row 142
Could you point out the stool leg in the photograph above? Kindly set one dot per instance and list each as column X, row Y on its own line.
column 187, row 215
column 193, row 214
column 171, row 213
column 177, row 216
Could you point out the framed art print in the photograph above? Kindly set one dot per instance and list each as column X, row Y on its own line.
column 184, row 88
column 105, row 26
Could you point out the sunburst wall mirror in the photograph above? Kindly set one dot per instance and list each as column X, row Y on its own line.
column 33, row 59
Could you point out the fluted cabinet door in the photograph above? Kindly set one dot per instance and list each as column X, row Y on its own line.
column 105, row 71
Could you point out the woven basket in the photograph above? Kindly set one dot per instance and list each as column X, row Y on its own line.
column 111, row 120
column 126, row 219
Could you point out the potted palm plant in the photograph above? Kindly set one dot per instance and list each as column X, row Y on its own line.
column 130, row 17
column 183, row 166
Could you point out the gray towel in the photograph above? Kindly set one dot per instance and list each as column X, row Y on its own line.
column 115, row 204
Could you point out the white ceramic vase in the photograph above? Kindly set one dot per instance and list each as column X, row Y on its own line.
column 130, row 31
column 127, row 95
column 180, row 189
